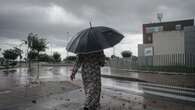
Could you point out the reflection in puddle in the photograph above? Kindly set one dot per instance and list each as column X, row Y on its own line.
column 121, row 72
column 5, row 92
column 122, row 85
column 22, row 76
column 6, row 72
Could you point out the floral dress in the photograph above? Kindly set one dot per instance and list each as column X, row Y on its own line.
column 91, row 76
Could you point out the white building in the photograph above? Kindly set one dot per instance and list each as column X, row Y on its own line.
column 168, row 43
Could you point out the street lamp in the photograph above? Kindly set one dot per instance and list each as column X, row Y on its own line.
column 68, row 34
column 0, row 51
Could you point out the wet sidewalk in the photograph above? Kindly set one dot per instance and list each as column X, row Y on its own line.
column 173, row 79
column 74, row 101
column 54, row 95
column 65, row 95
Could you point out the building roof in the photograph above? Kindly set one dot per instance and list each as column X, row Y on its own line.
column 170, row 25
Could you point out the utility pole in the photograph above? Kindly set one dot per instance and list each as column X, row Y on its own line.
column 68, row 34
column 0, row 51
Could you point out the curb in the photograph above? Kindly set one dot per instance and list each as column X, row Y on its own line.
column 122, row 78
column 154, row 72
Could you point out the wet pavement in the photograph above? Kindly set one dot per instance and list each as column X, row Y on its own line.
column 132, row 95
column 173, row 79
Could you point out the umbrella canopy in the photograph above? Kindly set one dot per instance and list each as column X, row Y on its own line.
column 94, row 39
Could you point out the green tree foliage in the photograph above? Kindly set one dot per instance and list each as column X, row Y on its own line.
column 70, row 58
column 19, row 52
column 126, row 54
column 35, row 43
column 32, row 55
column 114, row 56
column 11, row 54
column 107, row 58
column 46, row 58
column 57, row 57
column 35, row 46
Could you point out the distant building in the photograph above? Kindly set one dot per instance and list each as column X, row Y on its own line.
column 167, row 43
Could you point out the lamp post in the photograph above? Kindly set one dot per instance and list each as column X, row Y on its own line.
column 68, row 34
column 0, row 57
column 0, row 52
column 114, row 51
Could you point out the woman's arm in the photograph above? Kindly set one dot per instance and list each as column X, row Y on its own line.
column 75, row 68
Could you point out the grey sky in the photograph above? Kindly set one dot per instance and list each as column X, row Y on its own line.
column 52, row 19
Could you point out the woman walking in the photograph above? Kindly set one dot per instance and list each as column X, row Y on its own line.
column 91, row 76
column 89, row 44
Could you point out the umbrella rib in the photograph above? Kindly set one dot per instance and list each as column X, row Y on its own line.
column 85, row 33
column 74, row 41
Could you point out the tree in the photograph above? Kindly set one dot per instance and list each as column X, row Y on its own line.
column 35, row 43
column 46, row 58
column 70, row 58
column 19, row 52
column 35, row 46
column 57, row 57
column 11, row 55
column 107, row 58
column 126, row 54
column 114, row 56
column 32, row 55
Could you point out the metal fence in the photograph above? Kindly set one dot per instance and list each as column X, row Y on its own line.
column 167, row 60
column 123, row 63
column 173, row 63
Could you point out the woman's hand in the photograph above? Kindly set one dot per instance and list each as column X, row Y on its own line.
column 72, row 76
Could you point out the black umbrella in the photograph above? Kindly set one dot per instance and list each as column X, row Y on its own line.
column 94, row 39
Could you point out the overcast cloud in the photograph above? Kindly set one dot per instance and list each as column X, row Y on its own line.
column 58, row 20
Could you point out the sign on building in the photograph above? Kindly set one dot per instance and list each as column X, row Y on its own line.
column 154, row 29
column 148, row 51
